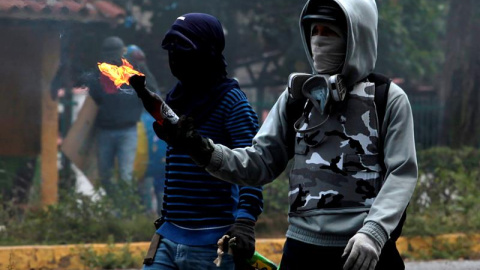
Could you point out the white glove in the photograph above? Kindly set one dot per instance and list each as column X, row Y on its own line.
column 364, row 253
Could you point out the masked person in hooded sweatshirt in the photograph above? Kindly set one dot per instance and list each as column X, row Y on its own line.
column 198, row 208
column 119, row 111
column 354, row 170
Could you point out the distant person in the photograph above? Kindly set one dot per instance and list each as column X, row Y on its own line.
column 154, row 176
column 119, row 110
column 199, row 209
column 136, row 56
column 155, row 170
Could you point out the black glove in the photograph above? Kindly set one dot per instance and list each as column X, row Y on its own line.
column 244, row 232
column 138, row 84
column 185, row 137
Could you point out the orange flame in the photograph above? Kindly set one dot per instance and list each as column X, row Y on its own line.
column 118, row 74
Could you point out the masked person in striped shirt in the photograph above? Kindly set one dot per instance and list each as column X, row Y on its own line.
column 198, row 208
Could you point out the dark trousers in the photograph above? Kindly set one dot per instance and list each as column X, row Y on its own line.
column 301, row 256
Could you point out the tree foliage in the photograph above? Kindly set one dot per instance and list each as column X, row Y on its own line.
column 410, row 35
column 446, row 199
column 459, row 84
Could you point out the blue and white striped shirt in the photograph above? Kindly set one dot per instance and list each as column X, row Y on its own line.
column 199, row 208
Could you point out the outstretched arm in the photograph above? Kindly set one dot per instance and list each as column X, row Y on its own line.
column 262, row 162
column 255, row 165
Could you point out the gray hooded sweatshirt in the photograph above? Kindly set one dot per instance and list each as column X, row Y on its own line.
column 268, row 156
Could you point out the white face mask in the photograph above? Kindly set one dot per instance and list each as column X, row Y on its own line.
column 328, row 54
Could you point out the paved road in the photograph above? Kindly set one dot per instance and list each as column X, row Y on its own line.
column 443, row 265
column 436, row 265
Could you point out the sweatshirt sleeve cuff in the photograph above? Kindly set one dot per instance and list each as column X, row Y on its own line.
column 216, row 159
column 246, row 215
column 375, row 231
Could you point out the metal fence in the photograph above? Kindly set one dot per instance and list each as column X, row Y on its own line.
column 427, row 117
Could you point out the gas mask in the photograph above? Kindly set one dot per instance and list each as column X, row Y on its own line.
column 319, row 89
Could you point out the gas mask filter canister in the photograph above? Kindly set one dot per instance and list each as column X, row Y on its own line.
column 319, row 89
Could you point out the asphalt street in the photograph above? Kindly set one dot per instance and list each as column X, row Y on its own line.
column 439, row 265
column 443, row 265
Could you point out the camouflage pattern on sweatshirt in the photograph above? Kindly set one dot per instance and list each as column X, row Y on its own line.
column 337, row 164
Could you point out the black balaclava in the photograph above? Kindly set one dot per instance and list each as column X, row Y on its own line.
column 195, row 44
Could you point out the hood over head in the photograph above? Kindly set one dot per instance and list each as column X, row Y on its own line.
column 195, row 43
column 112, row 50
column 198, row 32
column 359, row 20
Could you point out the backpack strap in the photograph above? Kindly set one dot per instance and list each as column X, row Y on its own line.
column 295, row 109
column 382, row 85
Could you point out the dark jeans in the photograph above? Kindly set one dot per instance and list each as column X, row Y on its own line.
column 173, row 256
column 119, row 144
column 300, row 256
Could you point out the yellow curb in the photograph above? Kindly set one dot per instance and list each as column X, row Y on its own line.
column 271, row 249
column 61, row 257
column 418, row 247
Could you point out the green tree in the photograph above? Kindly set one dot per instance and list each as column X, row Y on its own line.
column 459, row 84
column 410, row 33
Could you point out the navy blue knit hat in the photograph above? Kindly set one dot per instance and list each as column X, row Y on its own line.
column 195, row 31
column 112, row 50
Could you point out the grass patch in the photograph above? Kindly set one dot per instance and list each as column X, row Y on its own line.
column 78, row 219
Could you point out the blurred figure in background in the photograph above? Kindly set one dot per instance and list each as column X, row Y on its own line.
column 136, row 56
column 152, row 176
column 119, row 110
column 152, row 179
